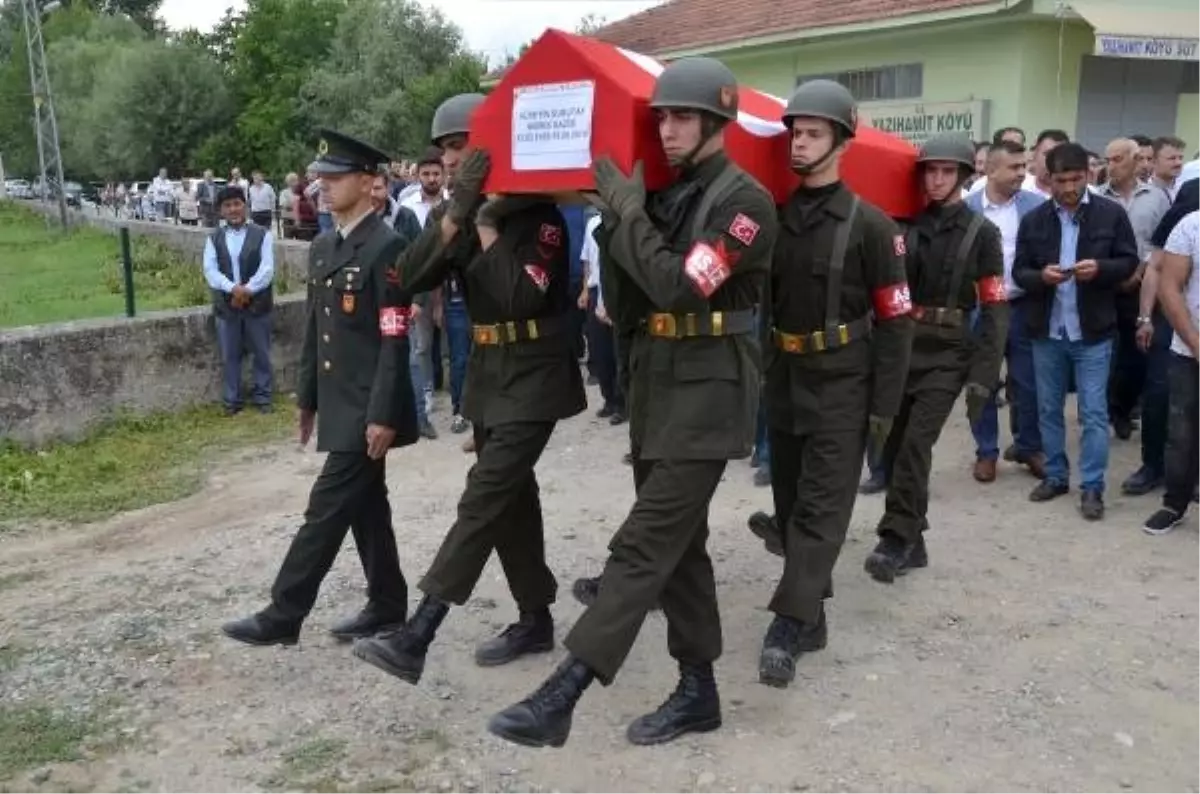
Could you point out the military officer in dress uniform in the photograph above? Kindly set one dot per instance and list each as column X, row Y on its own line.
column 354, row 373
column 839, row 338
column 693, row 261
column 955, row 265
column 510, row 255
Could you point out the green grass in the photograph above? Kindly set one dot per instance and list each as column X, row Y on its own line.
column 127, row 463
column 48, row 276
column 31, row 736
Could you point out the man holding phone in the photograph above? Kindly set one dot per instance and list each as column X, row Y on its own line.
column 1073, row 252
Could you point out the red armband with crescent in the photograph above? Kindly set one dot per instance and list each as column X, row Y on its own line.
column 991, row 290
column 892, row 301
column 393, row 322
column 707, row 266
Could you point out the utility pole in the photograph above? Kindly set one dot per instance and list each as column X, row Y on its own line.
column 45, row 123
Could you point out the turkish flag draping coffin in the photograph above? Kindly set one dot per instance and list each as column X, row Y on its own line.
column 569, row 98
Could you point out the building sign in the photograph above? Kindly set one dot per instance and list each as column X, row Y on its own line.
column 917, row 121
column 1147, row 47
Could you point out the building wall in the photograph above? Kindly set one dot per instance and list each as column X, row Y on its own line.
column 1027, row 69
column 1187, row 122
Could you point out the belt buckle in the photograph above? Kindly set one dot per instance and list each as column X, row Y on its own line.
column 718, row 324
column 817, row 341
column 663, row 324
column 485, row 334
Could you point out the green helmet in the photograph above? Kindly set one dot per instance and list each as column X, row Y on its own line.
column 823, row 99
column 948, row 148
column 697, row 84
column 453, row 117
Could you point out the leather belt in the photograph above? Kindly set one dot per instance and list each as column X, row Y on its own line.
column 682, row 326
column 938, row 315
column 819, row 341
column 514, row 331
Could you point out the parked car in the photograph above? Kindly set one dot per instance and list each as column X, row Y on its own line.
column 18, row 188
column 73, row 192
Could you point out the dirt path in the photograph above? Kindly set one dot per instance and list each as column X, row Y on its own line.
column 1037, row 653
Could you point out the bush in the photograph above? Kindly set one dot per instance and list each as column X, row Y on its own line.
column 159, row 270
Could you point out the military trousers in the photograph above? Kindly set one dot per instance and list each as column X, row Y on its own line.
column 929, row 397
column 499, row 510
column 658, row 556
column 814, row 482
column 350, row 494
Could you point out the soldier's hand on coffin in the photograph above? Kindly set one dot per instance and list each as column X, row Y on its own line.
column 497, row 208
column 977, row 400
column 379, row 440
column 623, row 194
column 468, row 185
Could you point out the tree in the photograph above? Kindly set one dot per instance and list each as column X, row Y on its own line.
column 391, row 63
column 590, row 23
column 144, row 13
column 143, row 116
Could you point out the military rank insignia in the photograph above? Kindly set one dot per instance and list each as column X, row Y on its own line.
column 348, row 303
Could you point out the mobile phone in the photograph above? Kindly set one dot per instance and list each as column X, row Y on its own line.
column 1067, row 270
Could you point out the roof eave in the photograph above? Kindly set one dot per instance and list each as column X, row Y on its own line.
column 865, row 26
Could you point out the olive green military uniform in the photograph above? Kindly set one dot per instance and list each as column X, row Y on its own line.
column 353, row 372
column 521, row 379
column 690, row 273
column 839, row 343
column 954, row 265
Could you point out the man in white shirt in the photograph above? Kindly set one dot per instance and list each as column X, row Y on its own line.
column 1004, row 203
column 1167, row 164
column 163, row 193
column 262, row 201
column 239, row 266
column 601, row 342
column 1179, row 296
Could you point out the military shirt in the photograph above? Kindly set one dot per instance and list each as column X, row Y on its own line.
column 934, row 243
column 354, row 360
column 524, row 275
column 694, row 398
column 837, row 389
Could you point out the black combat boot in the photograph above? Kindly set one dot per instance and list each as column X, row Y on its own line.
column 694, row 707
column 402, row 652
column 893, row 557
column 786, row 639
column 258, row 629
column 544, row 718
column 532, row 633
column 766, row 529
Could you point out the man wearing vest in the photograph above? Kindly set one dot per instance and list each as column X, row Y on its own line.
column 686, row 267
column 955, row 264
column 838, row 333
column 239, row 263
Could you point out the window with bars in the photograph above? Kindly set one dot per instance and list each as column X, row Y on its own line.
column 905, row 81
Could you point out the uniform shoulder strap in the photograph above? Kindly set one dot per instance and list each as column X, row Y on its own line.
column 960, row 260
column 837, row 264
column 717, row 191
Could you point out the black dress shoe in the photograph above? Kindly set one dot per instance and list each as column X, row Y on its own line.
column 606, row 411
column 617, row 418
column 1122, row 427
column 1091, row 505
column 544, row 718
column 367, row 623
column 1141, row 482
column 532, row 633
column 1047, row 490
column 694, row 707
column 258, row 630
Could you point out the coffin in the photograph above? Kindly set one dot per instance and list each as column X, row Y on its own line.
column 570, row 98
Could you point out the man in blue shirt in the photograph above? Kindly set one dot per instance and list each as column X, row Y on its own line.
column 239, row 265
column 1072, row 254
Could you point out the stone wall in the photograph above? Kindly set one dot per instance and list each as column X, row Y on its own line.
column 57, row 380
